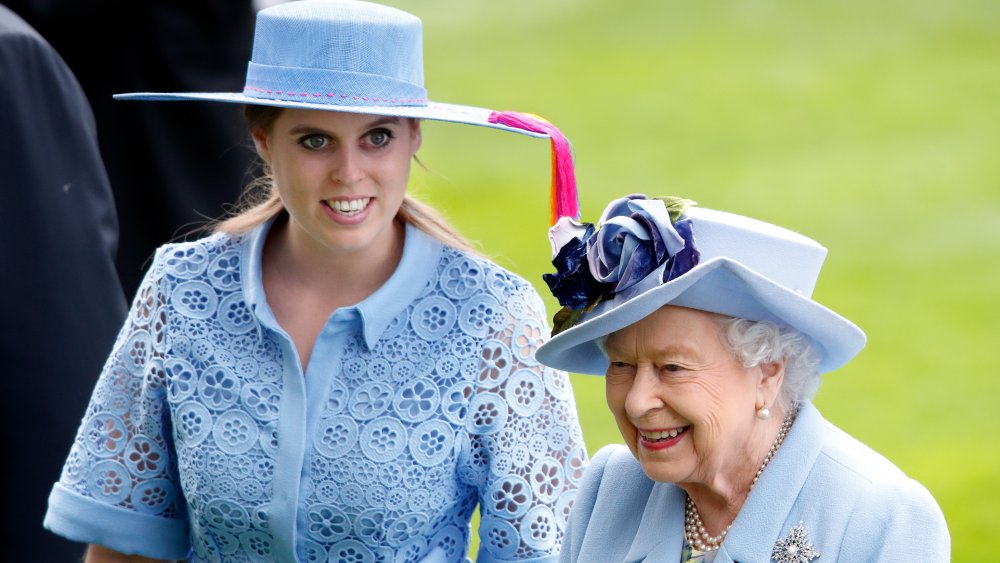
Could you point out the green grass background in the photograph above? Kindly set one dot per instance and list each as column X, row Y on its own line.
column 873, row 127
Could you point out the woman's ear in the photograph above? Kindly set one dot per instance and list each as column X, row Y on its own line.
column 259, row 136
column 772, row 375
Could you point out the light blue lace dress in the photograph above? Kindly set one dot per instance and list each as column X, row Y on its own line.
column 204, row 439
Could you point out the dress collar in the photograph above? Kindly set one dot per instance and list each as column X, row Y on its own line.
column 417, row 267
column 251, row 275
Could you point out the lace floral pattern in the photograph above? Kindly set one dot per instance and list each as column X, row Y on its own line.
column 447, row 409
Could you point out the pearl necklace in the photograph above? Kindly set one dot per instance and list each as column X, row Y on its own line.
column 694, row 530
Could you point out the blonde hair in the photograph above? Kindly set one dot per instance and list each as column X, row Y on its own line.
column 260, row 201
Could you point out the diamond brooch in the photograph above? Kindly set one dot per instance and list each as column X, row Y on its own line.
column 795, row 547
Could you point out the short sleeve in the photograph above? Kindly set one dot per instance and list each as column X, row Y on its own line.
column 119, row 485
column 526, row 442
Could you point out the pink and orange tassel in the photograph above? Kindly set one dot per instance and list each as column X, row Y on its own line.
column 563, row 199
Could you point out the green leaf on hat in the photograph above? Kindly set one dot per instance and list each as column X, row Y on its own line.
column 565, row 319
column 675, row 205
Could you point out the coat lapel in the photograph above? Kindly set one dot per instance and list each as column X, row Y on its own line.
column 661, row 529
column 761, row 521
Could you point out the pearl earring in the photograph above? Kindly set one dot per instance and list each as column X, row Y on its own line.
column 763, row 413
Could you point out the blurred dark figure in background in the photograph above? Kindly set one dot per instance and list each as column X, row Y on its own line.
column 171, row 166
column 60, row 300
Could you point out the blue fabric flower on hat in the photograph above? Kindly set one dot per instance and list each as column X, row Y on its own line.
column 572, row 284
column 687, row 257
column 635, row 237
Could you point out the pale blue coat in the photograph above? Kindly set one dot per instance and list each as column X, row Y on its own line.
column 855, row 505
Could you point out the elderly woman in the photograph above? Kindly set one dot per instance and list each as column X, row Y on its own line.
column 703, row 325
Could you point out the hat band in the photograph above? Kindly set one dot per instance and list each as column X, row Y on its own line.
column 331, row 87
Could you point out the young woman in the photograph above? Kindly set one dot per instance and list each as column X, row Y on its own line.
column 332, row 375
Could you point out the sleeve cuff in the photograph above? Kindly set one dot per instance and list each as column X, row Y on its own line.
column 86, row 520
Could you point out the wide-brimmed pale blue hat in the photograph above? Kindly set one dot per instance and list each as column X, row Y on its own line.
column 645, row 255
column 338, row 55
column 361, row 57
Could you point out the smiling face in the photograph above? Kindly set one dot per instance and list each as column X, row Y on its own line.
column 684, row 405
column 341, row 177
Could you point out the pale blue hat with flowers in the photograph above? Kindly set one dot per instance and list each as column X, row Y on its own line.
column 647, row 253
column 362, row 57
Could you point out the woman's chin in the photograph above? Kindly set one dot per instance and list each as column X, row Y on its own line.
column 658, row 467
column 661, row 471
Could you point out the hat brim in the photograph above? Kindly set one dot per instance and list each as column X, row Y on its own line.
column 437, row 111
column 721, row 286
